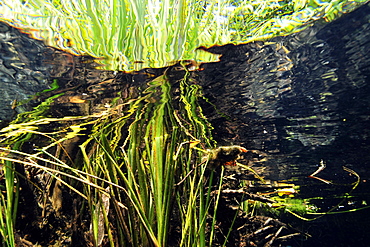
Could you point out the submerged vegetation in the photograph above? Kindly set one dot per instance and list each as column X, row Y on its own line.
column 141, row 172
column 131, row 35
column 138, row 179
column 126, row 171
column 145, row 171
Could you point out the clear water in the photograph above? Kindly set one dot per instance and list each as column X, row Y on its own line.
column 299, row 100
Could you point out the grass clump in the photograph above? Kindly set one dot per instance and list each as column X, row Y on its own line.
column 138, row 180
column 148, row 165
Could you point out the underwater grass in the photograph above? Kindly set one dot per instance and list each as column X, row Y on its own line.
column 130, row 187
column 8, row 205
column 150, row 162
column 135, row 34
column 12, row 139
column 9, row 201
column 137, row 169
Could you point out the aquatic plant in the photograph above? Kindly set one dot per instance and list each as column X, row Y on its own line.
column 142, row 176
column 138, row 164
column 149, row 163
column 130, row 171
column 135, row 34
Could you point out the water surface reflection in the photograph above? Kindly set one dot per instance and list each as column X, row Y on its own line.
column 302, row 99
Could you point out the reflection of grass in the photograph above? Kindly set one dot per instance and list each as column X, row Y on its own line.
column 156, row 33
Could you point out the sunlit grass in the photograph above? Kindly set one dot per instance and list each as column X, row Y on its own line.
column 134, row 34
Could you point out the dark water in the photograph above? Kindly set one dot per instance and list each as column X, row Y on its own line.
column 300, row 99
column 315, row 106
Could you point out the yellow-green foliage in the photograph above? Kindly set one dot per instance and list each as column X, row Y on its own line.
column 156, row 33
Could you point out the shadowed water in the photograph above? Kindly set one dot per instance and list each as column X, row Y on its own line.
column 302, row 99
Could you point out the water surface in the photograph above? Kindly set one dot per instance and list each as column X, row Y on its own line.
column 299, row 100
